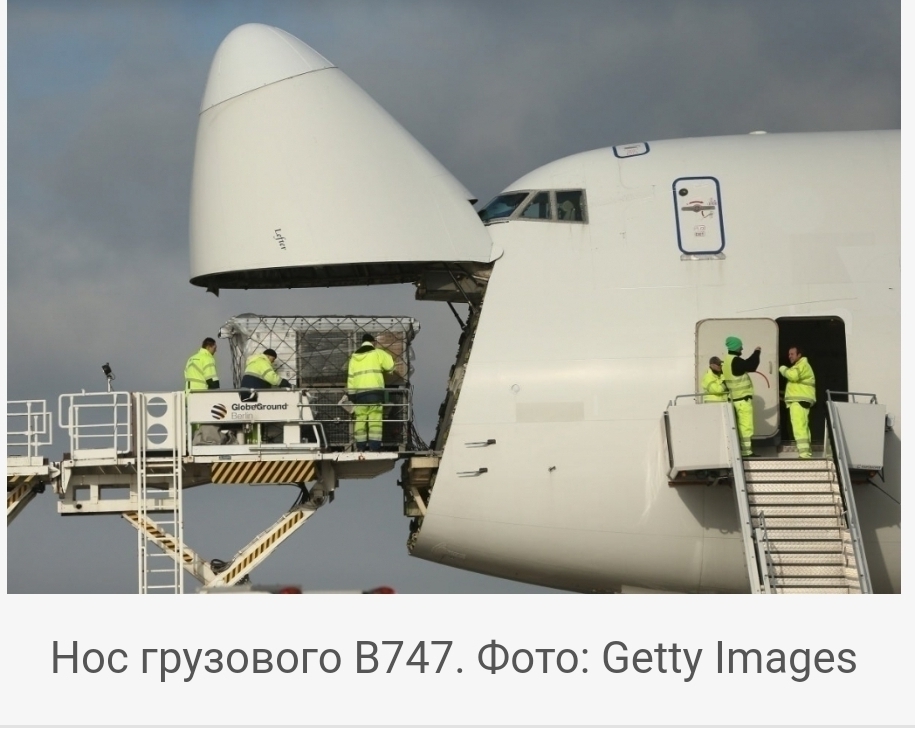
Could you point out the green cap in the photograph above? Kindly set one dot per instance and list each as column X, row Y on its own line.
column 733, row 343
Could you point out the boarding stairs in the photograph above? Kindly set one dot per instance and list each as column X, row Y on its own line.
column 800, row 526
column 798, row 515
column 798, row 520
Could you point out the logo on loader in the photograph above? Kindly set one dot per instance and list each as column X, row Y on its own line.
column 219, row 411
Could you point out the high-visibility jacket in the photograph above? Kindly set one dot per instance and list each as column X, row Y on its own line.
column 365, row 372
column 200, row 371
column 738, row 386
column 713, row 387
column 259, row 366
column 801, row 382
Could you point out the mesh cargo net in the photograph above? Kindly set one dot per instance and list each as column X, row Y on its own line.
column 313, row 354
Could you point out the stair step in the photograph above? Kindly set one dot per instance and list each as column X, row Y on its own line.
column 815, row 582
column 771, row 512
column 809, row 535
column 815, row 487
column 802, row 547
column 792, row 464
column 806, row 558
column 789, row 476
column 795, row 499
column 801, row 524
column 818, row 590
column 787, row 573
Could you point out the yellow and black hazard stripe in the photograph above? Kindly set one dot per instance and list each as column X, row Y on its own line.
column 16, row 495
column 264, row 471
column 268, row 541
column 14, row 480
column 166, row 541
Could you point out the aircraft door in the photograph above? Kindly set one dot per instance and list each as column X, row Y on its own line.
column 710, row 337
column 697, row 207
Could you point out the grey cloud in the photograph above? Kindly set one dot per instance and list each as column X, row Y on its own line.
column 522, row 84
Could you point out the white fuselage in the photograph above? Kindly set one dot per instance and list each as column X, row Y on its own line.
column 589, row 329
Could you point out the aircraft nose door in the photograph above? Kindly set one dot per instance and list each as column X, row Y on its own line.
column 710, row 337
column 302, row 180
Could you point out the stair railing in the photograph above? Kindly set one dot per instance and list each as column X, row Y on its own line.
column 762, row 549
column 756, row 569
column 840, row 456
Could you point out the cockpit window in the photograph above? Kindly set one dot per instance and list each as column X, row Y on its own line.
column 569, row 205
column 548, row 206
column 502, row 206
column 538, row 208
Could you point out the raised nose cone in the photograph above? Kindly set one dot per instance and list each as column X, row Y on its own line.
column 253, row 56
column 301, row 179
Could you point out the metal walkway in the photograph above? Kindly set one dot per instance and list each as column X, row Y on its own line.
column 29, row 428
column 134, row 455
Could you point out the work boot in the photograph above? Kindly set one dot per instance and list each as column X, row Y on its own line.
column 374, row 446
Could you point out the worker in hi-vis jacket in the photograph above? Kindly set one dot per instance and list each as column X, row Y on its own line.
column 800, row 396
column 713, row 388
column 200, row 369
column 365, row 385
column 259, row 372
column 736, row 371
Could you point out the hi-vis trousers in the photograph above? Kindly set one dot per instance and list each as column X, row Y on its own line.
column 801, row 427
column 368, row 423
column 743, row 408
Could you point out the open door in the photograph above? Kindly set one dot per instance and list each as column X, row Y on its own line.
column 710, row 337
column 822, row 341
column 302, row 180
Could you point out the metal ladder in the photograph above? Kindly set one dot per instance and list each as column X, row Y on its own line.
column 159, row 485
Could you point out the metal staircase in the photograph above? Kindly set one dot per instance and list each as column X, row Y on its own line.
column 799, row 520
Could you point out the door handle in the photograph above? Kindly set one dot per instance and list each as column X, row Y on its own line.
column 480, row 443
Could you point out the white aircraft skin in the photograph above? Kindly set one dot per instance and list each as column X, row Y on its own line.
column 587, row 329
column 591, row 328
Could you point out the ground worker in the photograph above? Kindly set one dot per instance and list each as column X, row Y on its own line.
column 259, row 372
column 800, row 395
column 713, row 388
column 200, row 369
column 736, row 372
column 365, row 385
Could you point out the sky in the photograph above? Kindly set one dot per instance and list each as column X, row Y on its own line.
column 102, row 104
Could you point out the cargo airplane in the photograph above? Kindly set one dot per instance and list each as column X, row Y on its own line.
column 598, row 287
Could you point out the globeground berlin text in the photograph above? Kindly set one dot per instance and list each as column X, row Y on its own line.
column 365, row 657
